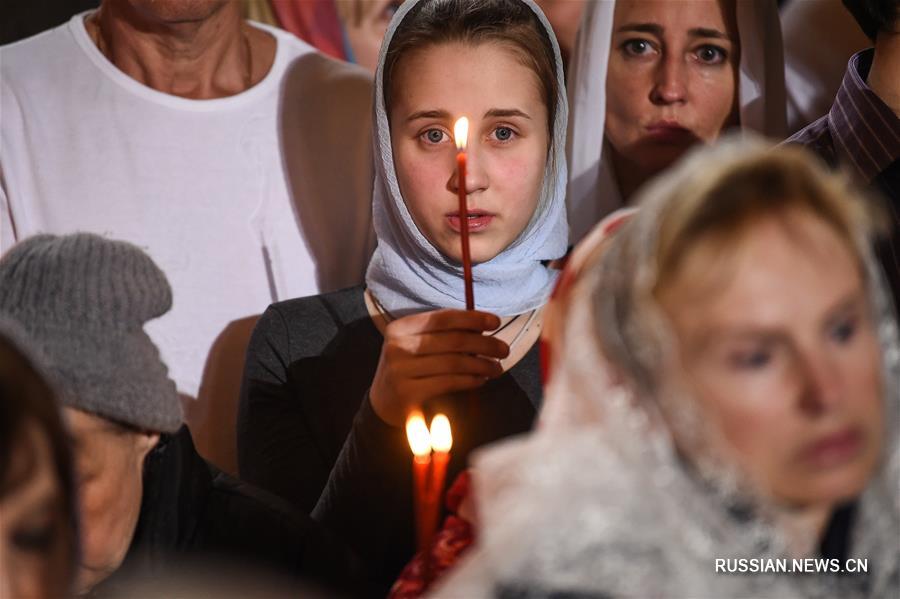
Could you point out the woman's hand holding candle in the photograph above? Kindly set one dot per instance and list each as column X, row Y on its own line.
column 433, row 354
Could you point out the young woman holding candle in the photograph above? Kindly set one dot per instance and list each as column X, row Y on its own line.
column 330, row 379
column 651, row 78
column 727, row 388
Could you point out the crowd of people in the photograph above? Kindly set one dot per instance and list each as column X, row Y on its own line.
column 231, row 267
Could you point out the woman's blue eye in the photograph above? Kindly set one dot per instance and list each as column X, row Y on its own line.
column 637, row 47
column 503, row 133
column 434, row 136
column 843, row 331
column 710, row 54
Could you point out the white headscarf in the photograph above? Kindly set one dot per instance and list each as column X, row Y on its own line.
column 597, row 500
column 593, row 192
column 408, row 274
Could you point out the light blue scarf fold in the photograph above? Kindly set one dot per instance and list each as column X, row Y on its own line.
column 408, row 274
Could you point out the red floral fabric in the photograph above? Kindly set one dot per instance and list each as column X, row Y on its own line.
column 450, row 543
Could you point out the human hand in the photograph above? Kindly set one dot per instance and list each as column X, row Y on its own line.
column 433, row 354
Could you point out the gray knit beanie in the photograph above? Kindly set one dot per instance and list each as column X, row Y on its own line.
column 83, row 300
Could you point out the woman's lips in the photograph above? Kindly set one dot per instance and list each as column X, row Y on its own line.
column 834, row 449
column 670, row 132
column 478, row 221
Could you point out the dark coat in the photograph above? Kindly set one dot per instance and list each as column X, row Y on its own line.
column 193, row 512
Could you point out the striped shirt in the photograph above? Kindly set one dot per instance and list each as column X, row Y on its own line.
column 862, row 135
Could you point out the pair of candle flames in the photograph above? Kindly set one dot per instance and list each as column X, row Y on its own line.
column 423, row 440
column 429, row 473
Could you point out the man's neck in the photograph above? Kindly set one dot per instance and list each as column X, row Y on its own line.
column 213, row 57
column 883, row 77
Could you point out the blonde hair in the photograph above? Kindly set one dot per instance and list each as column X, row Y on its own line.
column 715, row 196
column 722, row 203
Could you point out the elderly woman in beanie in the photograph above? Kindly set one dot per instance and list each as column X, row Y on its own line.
column 145, row 496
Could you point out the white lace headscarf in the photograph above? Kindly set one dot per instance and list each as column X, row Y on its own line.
column 593, row 192
column 408, row 274
column 597, row 499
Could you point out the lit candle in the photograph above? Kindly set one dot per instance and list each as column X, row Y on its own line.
column 441, row 442
column 461, row 134
column 420, row 443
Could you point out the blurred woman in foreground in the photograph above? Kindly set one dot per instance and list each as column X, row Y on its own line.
column 725, row 389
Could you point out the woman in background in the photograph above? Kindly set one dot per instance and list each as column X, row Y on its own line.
column 651, row 78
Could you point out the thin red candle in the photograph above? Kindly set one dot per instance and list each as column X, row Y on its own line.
column 441, row 443
column 461, row 133
column 420, row 442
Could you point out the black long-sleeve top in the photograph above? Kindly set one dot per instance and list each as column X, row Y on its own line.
column 306, row 428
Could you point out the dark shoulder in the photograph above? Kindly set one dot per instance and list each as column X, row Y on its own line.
column 259, row 528
column 226, row 514
column 816, row 137
column 256, row 526
column 307, row 324
column 337, row 308
column 235, row 501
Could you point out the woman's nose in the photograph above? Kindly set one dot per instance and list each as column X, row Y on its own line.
column 823, row 387
column 477, row 178
column 670, row 84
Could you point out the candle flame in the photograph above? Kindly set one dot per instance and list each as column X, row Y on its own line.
column 417, row 435
column 441, row 437
column 461, row 133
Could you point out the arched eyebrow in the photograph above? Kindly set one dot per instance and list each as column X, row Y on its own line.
column 505, row 113
column 428, row 114
column 658, row 30
column 653, row 28
column 706, row 32
column 444, row 115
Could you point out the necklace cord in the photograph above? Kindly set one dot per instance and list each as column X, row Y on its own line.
column 390, row 318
